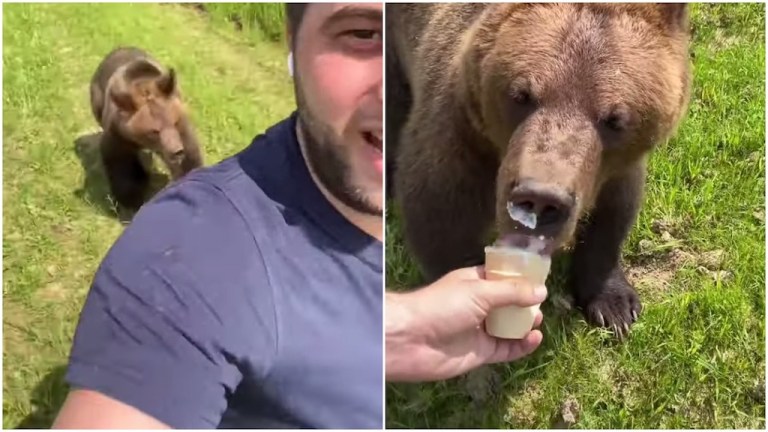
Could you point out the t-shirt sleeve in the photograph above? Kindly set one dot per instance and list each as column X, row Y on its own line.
column 167, row 318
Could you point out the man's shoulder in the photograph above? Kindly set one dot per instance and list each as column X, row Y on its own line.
column 173, row 298
column 225, row 197
column 193, row 223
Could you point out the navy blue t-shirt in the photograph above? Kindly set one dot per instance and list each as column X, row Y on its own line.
column 239, row 298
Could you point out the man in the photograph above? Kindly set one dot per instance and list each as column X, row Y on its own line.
column 249, row 294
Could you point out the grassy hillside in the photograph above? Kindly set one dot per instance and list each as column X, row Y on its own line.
column 57, row 218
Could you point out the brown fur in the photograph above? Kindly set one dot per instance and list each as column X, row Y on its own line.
column 139, row 106
column 487, row 102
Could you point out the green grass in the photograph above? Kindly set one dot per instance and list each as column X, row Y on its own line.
column 57, row 221
column 696, row 358
column 264, row 21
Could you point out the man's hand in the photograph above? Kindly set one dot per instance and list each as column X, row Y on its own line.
column 438, row 332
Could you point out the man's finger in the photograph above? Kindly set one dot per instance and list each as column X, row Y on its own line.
column 508, row 350
column 538, row 319
column 491, row 294
column 468, row 273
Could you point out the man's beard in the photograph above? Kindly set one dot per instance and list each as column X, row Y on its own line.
column 327, row 160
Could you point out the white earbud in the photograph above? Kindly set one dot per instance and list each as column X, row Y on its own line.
column 290, row 63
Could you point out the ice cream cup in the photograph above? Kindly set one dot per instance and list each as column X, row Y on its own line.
column 503, row 262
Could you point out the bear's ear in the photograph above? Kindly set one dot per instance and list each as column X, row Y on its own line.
column 674, row 15
column 123, row 100
column 167, row 82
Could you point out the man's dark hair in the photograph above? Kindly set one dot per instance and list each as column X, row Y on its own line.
column 294, row 13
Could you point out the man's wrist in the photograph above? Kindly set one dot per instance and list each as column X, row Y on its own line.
column 398, row 337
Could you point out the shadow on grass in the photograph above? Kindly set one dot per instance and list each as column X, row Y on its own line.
column 47, row 399
column 95, row 190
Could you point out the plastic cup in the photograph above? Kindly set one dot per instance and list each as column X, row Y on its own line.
column 502, row 262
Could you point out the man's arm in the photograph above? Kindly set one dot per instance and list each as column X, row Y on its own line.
column 87, row 409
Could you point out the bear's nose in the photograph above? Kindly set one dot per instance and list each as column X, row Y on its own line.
column 551, row 205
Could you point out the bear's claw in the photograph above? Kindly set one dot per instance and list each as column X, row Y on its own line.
column 617, row 306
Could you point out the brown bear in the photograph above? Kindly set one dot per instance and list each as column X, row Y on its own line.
column 139, row 107
column 548, row 110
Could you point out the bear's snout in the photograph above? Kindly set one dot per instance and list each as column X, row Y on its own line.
column 543, row 208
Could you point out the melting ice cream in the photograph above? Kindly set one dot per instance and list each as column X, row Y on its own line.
column 520, row 214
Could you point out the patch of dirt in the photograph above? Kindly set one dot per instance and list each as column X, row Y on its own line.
column 698, row 406
column 712, row 260
column 569, row 413
column 717, row 276
column 523, row 406
column 236, row 21
column 199, row 7
column 14, row 235
column 646, row 247
column 759, row 215
column 54, row 292
column 660, row 226
column 668, row 231
column 606, row 372
column 62, row 231
column 722, row 41
column 15, row 320
column 681, row 258
column 661, row 259
column 481, row 384
column 233, row 18
column 654, row 276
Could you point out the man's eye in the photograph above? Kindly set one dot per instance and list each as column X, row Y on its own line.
column 364, row 34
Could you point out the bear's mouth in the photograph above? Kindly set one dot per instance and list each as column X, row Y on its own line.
column 540, row 244
column 373, row 138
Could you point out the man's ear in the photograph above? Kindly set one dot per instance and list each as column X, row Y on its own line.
column 289, row 40
column 290, row 63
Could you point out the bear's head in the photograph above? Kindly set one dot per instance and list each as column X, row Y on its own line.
column 571, row 95
column 150, row 109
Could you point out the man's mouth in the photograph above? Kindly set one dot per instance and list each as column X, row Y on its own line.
column 373, row 138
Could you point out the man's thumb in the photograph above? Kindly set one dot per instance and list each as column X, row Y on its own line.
column 504, row 292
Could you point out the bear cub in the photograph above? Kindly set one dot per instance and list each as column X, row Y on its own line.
column 139, row 107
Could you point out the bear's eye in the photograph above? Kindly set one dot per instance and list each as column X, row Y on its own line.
column 522, row 97
column 615, row 122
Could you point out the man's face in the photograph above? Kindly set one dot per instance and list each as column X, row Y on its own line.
column 338, row 83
